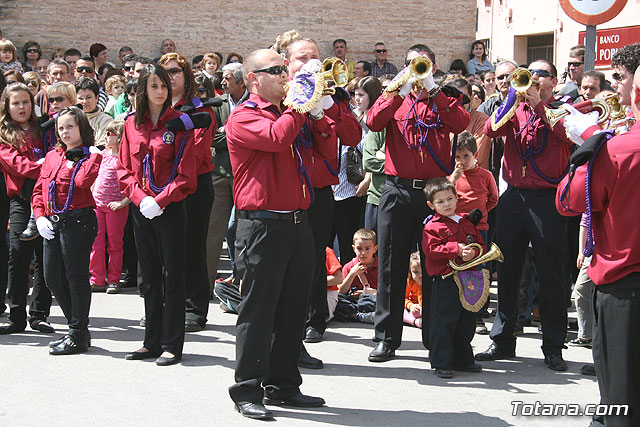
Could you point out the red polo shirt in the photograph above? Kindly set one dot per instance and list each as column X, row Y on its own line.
column 396, row 115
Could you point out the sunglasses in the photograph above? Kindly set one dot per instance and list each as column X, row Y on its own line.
column 477, row 93
column 502, row 76
column 31, row 82
column 128, row 68
column 56, row 99
column 202, row 90
column 381, row 50
column 174, row 71
column 618, row 77
column 541, row 73
column 574, row 64
column 84, row 70
column 32, row 50
column 275, row 70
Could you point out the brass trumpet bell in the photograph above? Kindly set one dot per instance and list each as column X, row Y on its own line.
column 333, row 69
column 521, row 80
column 494, row 253
column 419, row 68
column 554, row 115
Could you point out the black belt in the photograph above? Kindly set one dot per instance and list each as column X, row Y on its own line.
column 418, row 184
column 70, row 214
column 296, row 216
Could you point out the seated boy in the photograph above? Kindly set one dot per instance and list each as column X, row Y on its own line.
column 356, row 298
column 446, row 237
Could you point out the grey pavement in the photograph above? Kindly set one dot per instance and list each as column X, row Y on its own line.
column 100, row 388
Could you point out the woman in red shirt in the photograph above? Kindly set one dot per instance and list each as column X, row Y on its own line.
column 156, row 171
column 20, row 138
column 63, row 207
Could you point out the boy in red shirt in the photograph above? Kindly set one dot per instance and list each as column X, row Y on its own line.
column 446, row 237
column 356, row 298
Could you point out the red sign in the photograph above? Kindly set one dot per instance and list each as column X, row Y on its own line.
column 609, row 41
column 592, row 12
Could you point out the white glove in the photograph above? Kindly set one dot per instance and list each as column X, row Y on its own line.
column 94, row 150
column 428, row 82
column 317, row 112
column 311, row 67
column 327, row 102
column 576, row 139
column 40, row 161
column 45, row 228
column 407, row 87
column 149, row 208
column 576, row 122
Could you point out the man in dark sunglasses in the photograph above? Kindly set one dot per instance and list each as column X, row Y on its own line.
column 575, row 70
column 624, row 64
column 503, row 71
column 85, row 67
column 271, row 216
column 380, row 66
column 535, row 159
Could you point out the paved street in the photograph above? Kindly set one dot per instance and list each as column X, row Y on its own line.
column 100, row 388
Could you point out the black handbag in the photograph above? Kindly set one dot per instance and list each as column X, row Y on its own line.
column 355, row 171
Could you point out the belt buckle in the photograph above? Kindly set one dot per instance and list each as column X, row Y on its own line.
column 54, row 218
column 418, row 184
column 297, row 217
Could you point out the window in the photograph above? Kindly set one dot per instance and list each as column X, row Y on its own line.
column 540, row 47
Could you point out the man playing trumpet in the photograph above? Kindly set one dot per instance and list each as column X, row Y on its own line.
column 535, row 159
column 418, row 118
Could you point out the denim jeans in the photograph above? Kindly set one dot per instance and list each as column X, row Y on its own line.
column 66, row 266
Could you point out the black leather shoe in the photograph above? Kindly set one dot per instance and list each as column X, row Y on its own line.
column 31, row 232
column 58, row 341
column 305, row 360
column 381, row 353
column 142, row 355
column 495, row 352
column 299, row 400
column 41, row 325
column 312, row 335
column 11, row 328
column 444, row 373
column 168, row 361
column 588, row 369
column 253, row 410
column 192, row 326
column 67, row 346
column 555, row 362
column 475, row 367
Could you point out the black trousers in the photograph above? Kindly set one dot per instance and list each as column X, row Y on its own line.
column 198, row 205
column 161, row 255
column 616, row 348
column 20, row 256
column 228, row 294
column 66, row 267
column 451, row 327
column 530, row 215
column 401, row 214
column 273, row 258
column 4, row 248
column 321, row 214
column 348, row 218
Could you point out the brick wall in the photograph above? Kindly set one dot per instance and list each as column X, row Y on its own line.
column 199, row 26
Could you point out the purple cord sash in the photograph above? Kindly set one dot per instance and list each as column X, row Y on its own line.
column 72, row 185
column 148, row 173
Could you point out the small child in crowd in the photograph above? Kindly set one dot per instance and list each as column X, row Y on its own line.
column 112, row 211
column 9, row 57
column 114, row 87
column 476, row 189
column 413, row 298
column 446, row 237
column 356, row 298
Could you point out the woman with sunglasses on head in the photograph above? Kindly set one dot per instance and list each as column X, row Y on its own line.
column 198, row 204
column 20, row 138
column 156, row 171
column 31, row 52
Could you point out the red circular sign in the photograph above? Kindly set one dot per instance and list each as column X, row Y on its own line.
column 592, row 12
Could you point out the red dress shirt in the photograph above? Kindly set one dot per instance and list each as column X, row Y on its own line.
column 552, row 161
column 265, row 165
column 395, row 113
column 476, row 188
column 615, row 178
column 162, row 146
column 18, row 164
column 440, row 240
column 56, row 168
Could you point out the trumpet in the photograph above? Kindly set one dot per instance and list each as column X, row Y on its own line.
column 419, row 68
column 333, row 70
column 554, row 115
column 494, row 253
column 521, row 80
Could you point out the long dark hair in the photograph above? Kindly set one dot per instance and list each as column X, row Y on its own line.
column 372, row 86
column 10, row 132
column 142, row 102
column 484, row 49
column 86, row 131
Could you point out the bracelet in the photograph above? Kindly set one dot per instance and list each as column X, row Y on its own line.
column 435, row 91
